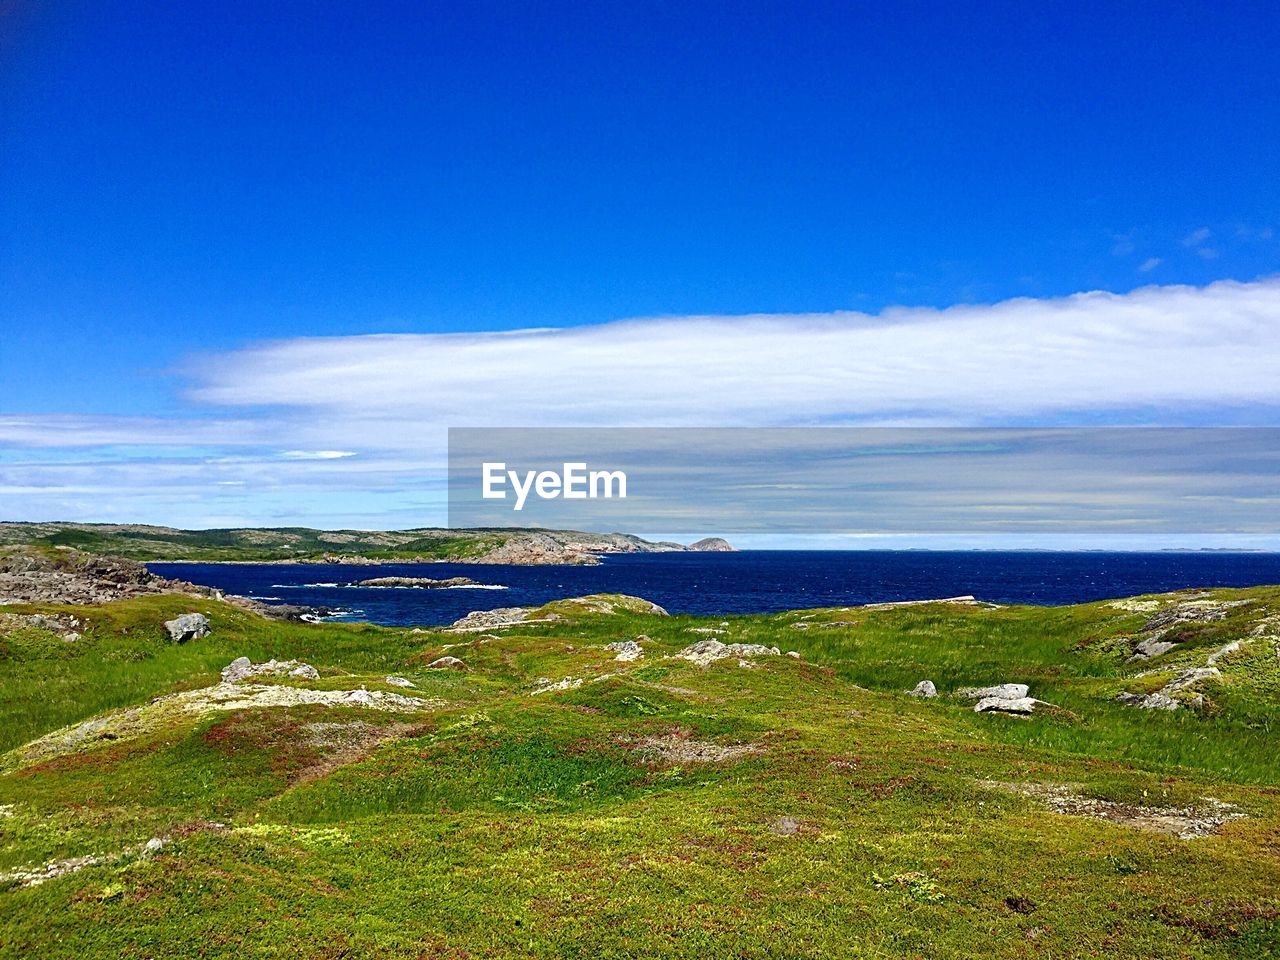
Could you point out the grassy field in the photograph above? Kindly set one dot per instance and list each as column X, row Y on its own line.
column 790, row 807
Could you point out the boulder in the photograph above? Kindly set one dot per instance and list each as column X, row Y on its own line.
column 447, row 663
column 925, row 689
column 1001, row 691
column 1018, row 705
column 189, row 626
column 398, row 681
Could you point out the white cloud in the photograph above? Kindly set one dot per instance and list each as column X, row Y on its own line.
column 317, row 454
column 1156, row 347
column 1197, row 237
column 1150, row 264
column 349, row 430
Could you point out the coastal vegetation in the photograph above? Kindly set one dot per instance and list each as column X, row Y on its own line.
column 594, row 778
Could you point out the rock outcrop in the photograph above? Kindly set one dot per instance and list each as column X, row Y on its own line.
column 446, row 663
column 28, row 575
column 626, row 650
column 706, row 652
column 596, row 604
column 489, row 619
column 242, row 668
column 924, row 689
column 69, row 628
column 1164, row 699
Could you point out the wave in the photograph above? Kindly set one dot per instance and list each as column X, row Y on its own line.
column 331, row 615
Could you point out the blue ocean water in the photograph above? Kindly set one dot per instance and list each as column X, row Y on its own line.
column 751, row 581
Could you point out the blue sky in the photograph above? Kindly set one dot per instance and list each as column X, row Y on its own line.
column 189, row 192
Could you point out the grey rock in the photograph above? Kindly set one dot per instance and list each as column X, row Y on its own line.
column 706, row 652
column 242, row 668
column 1152, row 647
column 422, row 583
column 1191, row 611
column 398, row 681
column 1002, row 691
column 626, row 650
column 70, row 576
column 1163, row 698
column 487, row 619
column 1018, row 705
column 189, row 626
column 925, row 689
column 447, row 663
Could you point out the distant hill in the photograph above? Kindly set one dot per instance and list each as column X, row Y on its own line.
column 306, row 545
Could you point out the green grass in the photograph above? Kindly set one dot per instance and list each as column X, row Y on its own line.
column 509, row 824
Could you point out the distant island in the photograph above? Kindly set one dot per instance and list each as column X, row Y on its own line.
column 307, row 545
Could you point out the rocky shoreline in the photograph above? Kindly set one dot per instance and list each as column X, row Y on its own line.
column 63, row 575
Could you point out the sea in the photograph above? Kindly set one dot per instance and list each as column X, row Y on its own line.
column 748, row 581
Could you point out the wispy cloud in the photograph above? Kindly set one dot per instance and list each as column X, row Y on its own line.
column 317, row 454
column 1259, row 234
column 1197, row 237
column 1150, row 264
